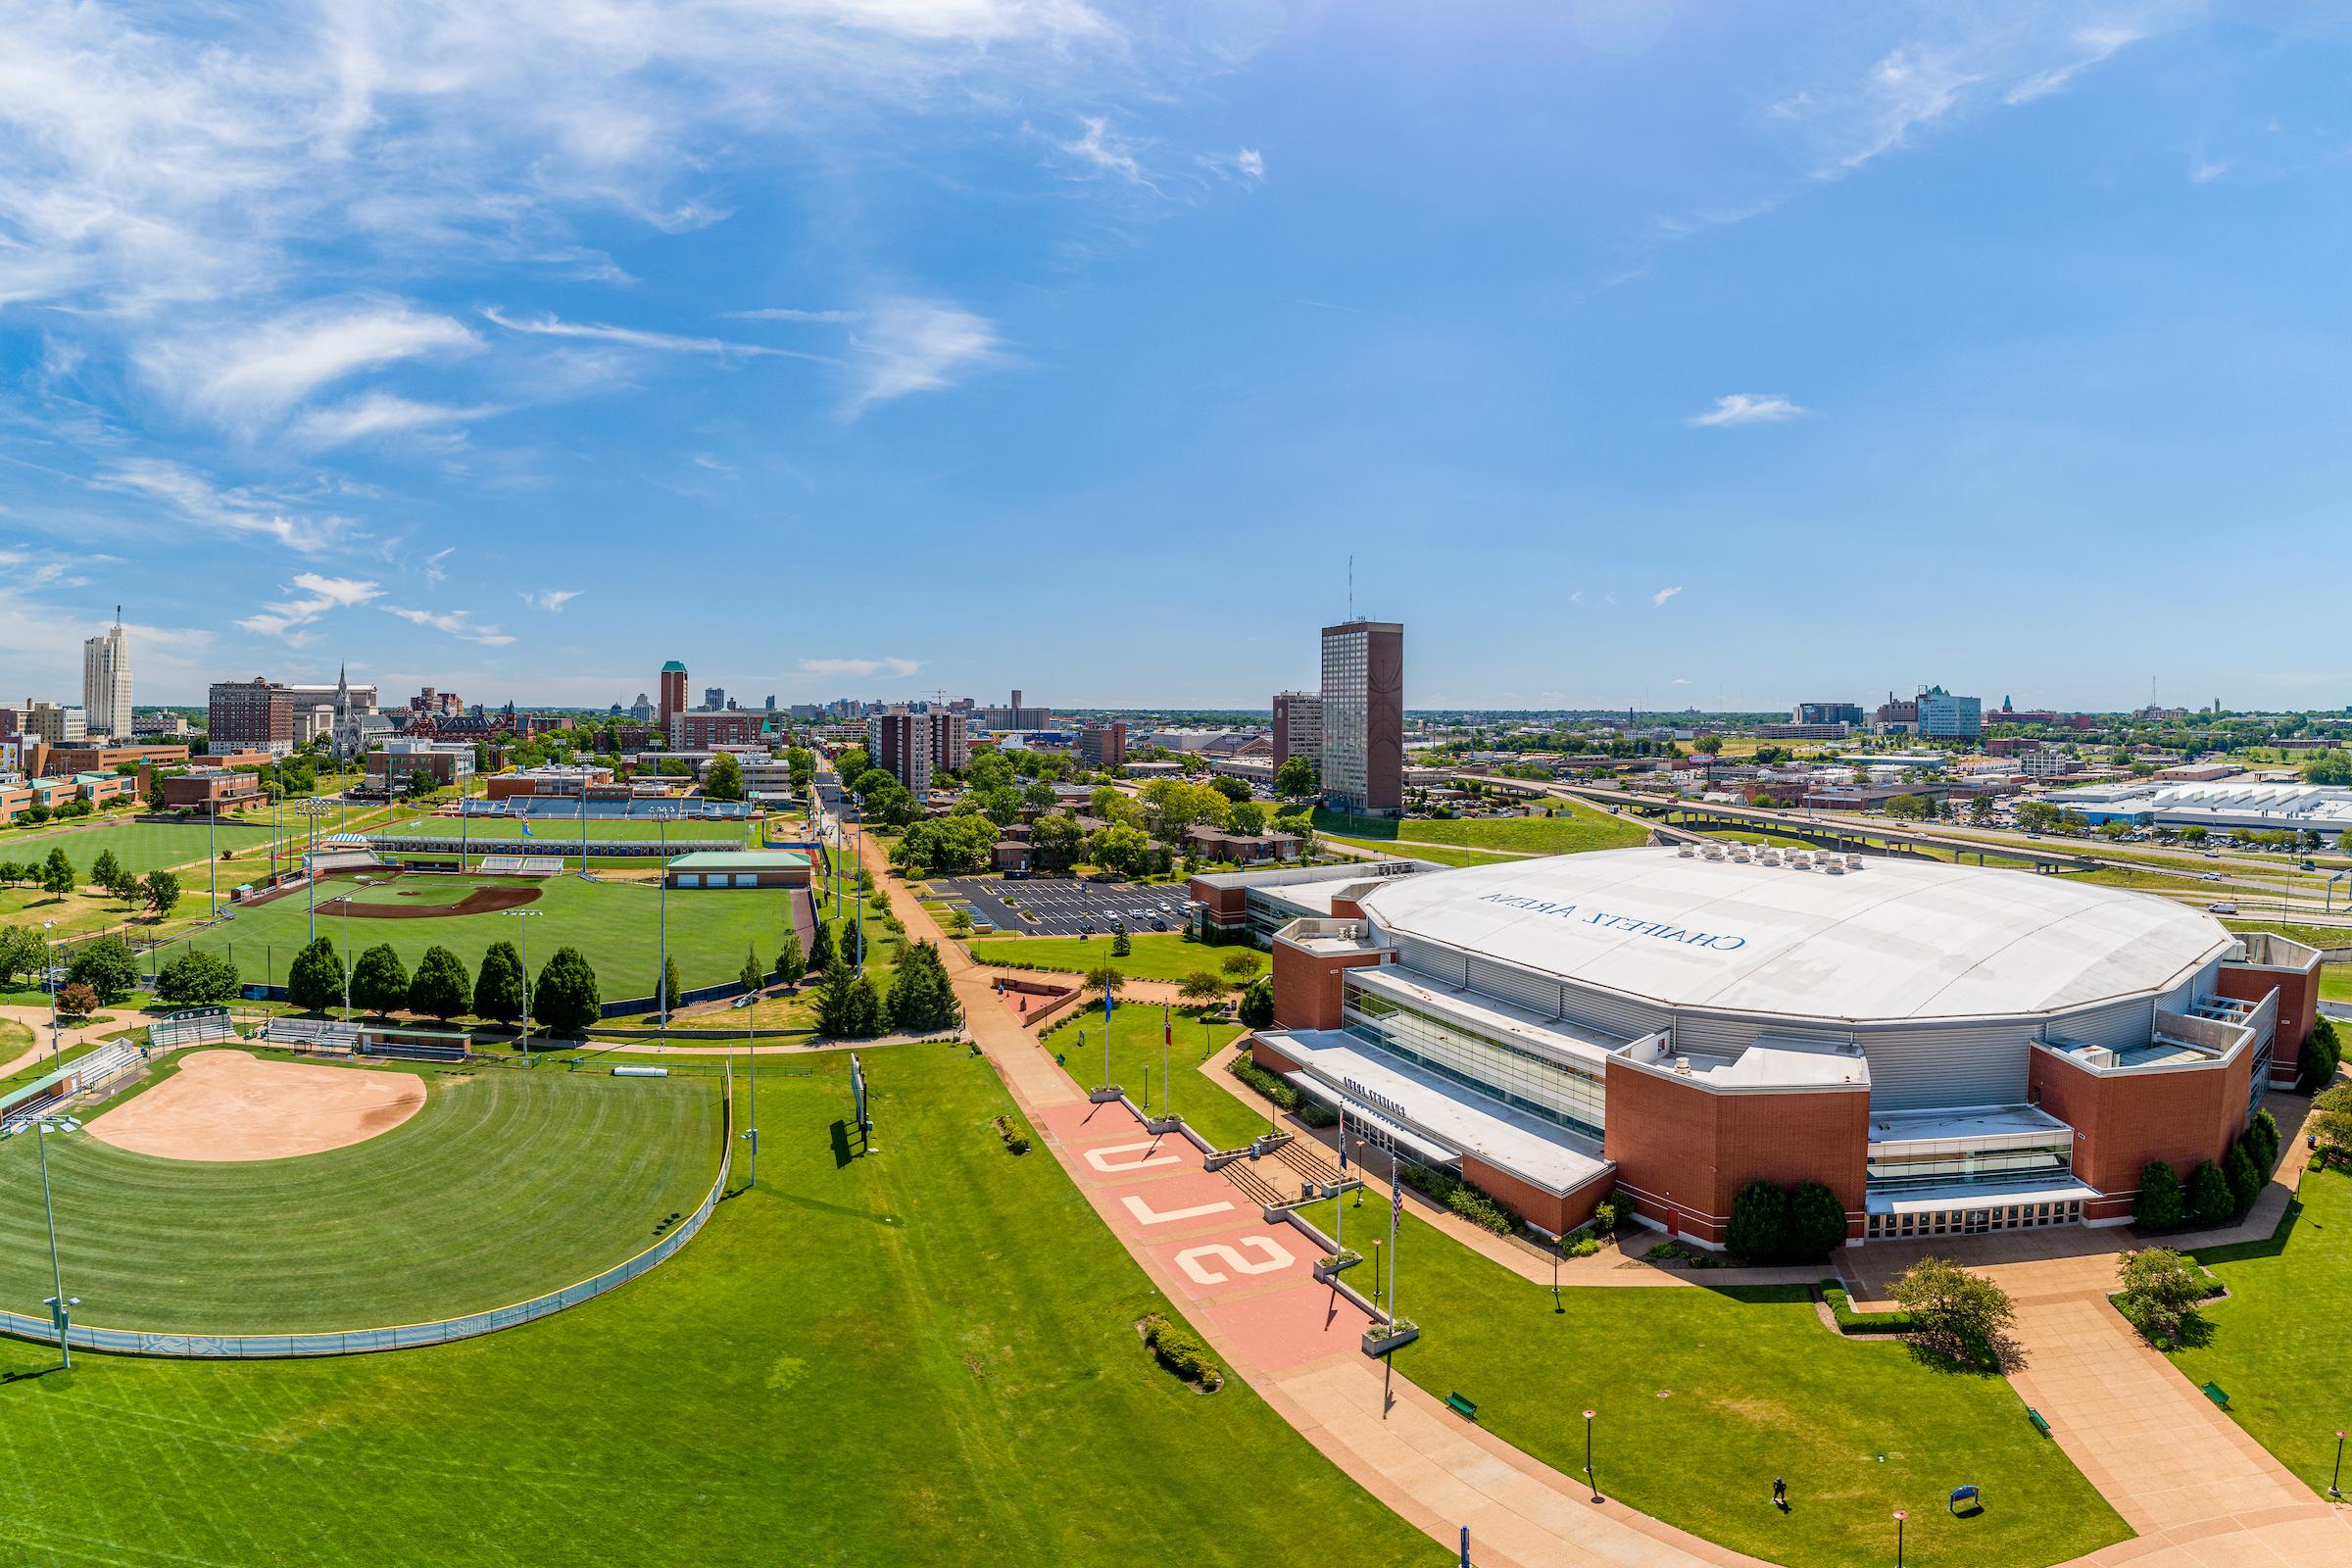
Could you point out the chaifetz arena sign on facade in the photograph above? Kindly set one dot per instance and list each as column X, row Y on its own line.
column 1632, row 924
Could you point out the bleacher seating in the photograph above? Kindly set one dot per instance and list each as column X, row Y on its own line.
column 312, row 1034
column 190, row 1028
column 521, row 866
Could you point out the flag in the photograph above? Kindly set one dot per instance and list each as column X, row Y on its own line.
column 1396, row 1188
column 1343, row 1139
column 1167, row 1026
column 526, row 830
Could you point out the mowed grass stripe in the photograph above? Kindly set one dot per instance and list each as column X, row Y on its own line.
column 140, row 846
column 504, row 1185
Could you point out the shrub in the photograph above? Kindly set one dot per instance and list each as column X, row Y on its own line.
column 1016, row 1140
column 2159, row 1207
column 1850, row 1321
column 1759, row 1228
column 1242, row 965
column 2210, row 1199
column 1581, row 1246
column 1257, row 1004
column 2321, row 1054
column 2245, row 1181
column 2161, row 1290
column 1816, row 1222
column 1460, row 1198
column 2263, row 1131
column 1606, row 1216
column 1181, row 1353
column 77, row 1002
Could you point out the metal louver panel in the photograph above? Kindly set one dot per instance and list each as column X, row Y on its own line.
column 1515, row 986
column 1714, row 1037
column 1960, row 1064
column 1440, row 964
column 1613, row 1015
column 2116, row 1025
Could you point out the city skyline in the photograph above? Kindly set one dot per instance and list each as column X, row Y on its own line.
column 1755, row 347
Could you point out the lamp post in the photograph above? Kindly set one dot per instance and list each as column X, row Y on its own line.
column 1899, row 1517
column 524, row 1044
column 313, row 808
column 2334, row 1489
column 1589, row 1481
column 212, row 848
column 751, row 1134
column 61, row 1306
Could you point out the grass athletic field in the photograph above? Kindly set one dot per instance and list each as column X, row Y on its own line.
column 614, row 924
column 924, row 1356
column 508, row 1183
column 141, row 847
column 1705, row 1395
column 562, row 830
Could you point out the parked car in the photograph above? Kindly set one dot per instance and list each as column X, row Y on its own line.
column 2220, row 908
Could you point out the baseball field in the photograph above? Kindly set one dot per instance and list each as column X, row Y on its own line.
column 428, row 1193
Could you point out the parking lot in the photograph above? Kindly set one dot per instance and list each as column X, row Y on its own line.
column 1059, row 906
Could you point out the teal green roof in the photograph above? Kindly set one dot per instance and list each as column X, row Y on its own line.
column 740, row 861
column 674, row 665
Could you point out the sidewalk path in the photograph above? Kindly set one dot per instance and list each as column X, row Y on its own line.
column 2120, row 1411
column 37, row 1020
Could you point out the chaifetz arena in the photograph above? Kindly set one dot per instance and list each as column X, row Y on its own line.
column 1950, row 1048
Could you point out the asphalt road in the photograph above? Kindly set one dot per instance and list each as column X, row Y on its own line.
column 1059, row 904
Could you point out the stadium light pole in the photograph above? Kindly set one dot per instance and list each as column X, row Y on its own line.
column 60, row 1304
column 211, row 847
column 314, row 808
column 57, row 1052
column 661, row 815
column 356, row 882
column 524, row 1045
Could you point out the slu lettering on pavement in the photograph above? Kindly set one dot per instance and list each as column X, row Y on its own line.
column 1659, row 929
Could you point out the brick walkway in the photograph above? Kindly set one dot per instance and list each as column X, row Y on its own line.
column 2118, row 1409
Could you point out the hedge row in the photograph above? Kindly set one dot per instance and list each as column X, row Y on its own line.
column 1463, row 1198
column 1181, row 1353
column 1850, row 1321
column 1309, row 1111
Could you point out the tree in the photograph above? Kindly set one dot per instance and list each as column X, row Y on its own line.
column 1202, row 987
column 23, row 953
column 722, row 779
column 1301, row 827
column 498, row 984
column 1055, row 840
column 1233, row 789
column 2159, row 1206
column 1122, row 851
column 420, row 783
column 1249, row 819
column 2245, row 1181
column 1816, row 1222
column 669, row 985
column 2322, row 1055
column 76, row 1002
column 821, row 949
column 58, row 878
column 126, row 886
column 440, row 988
column 379, row 981
column 1294, row 779
column 922, row 1000
column 2160, row 1292
column 564, row 1001
column 1759, row 1225
column 315, row 980
column 1960, row 1314
column 1103, row 977
column 791, row 964
column 1257, row 1004
column 105, row 871
column 108, row 966
column 1121, row 944
column 160, row 892
column 1241, row 966
column 2210, row 1199
column 847, row 1006
column 196, row 979
column 2262, row 1141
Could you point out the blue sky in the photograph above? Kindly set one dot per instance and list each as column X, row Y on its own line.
column 1639, row 352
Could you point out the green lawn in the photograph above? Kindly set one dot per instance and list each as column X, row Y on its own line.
column 1704, row 1396
column 614, row 924
column 1571, row 829
column 15, row 1040
column 509, row 1182
column 922, row 1356
column 1156, row 954
column 2274, row 1344
column 1442, row 854
column 2336, row 982
column 2316, row 935
column 141, row 847
column 1136, row 1065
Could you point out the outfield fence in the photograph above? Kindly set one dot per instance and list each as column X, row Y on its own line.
column 408, row 1336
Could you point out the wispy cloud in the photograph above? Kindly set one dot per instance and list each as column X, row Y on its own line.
column 2095, row 43
column 1748, row 408
column 783, row 314
column 249, row 374
column 1662, row 595
column 547, row 325
column 312, row 595
column 861, row 667
column 456, row 622
column 2204, row 171
column 551, row 599
column 436, row 564
column 374, row 414
column 918, row 345
column 1099, row 150
column 198, row 499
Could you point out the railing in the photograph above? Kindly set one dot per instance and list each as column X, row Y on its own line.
column 409, row 1336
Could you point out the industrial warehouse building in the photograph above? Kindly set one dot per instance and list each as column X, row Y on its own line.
column 1949, row 1049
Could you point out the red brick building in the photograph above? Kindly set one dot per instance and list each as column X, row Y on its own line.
column 1947, row 1049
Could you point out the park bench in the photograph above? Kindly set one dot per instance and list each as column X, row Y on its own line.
column 2040, row 1425
column 1462, row 1407
column 2213, row 1392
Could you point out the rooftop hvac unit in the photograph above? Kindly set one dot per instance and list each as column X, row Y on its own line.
column 1832, row 867
column 1853, row 863
column 1685, row 852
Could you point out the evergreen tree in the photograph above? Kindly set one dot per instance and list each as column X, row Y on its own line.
column 2210, row 1201
column 821, row 949
column 2245, row 1181
column 379, row 981
column 833, row 999
column 1816, row 1222
column 1258, row 1002
column 1121, row 944
column 57, row 874
column 314, row 982
column 2159, row 1206
column 791, row 964
column 498, row 984
column 922, row 1000
column 669, row 983
column 440, row 988
column 566, row 1000
column 1759, row 1226
column 751, row 976
column 105, row 871
column 866, row 1016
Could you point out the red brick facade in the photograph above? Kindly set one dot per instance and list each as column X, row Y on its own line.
column 2124, row 1120
column 1307, row 986
column 1682, row 1150
column 1558, row 1214
column 2298, row 1006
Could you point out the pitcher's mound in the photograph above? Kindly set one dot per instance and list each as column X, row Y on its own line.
column 233, row 1105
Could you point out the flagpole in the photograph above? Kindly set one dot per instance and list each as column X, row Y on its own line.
column 1396, row 1207
column 1339, row 1199
column 1167, row 1085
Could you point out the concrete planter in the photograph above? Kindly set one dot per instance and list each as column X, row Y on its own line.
column 1382, row 1338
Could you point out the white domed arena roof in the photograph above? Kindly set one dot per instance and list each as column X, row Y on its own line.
column 1895, row 940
